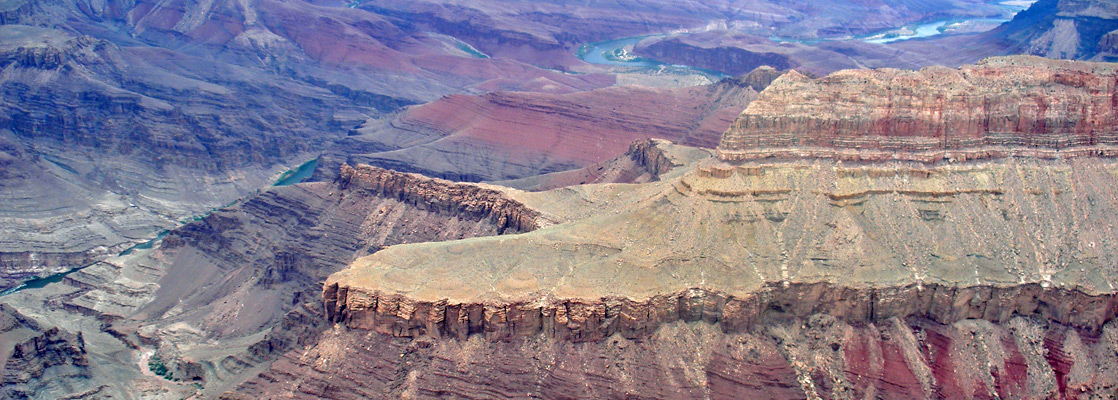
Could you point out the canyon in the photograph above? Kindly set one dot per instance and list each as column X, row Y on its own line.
column 491, row 216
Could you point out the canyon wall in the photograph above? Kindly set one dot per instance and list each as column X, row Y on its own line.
column 1001, row 107
column 460, row 199
column 585, row 320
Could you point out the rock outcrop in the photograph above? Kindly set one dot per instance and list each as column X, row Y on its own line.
column 436, row 195
column 646, row 161
column 582, row 320
column 1002, row 107
column 37, row 361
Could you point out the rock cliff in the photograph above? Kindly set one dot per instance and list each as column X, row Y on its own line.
column 1002, row 107
column 890, row 277
column 436, row 195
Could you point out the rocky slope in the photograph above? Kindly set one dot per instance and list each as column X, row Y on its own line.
column 889, row 278
column 734, row 56
column 1001, row 107
column 1067, row 29
column 128, row 117
column 38, row 362
column 538, row 31
column 219, row 298
column 512, row 135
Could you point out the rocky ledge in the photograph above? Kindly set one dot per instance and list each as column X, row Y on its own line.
column 1016, row 106
column 579, row 320
column 434, row 194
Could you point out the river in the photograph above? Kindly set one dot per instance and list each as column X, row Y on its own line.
column 291, row 177
column 615, row 52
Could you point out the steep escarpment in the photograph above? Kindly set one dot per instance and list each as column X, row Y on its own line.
column 580, row 320
column 786, row 358
column 1002, row 107
column 459, row 199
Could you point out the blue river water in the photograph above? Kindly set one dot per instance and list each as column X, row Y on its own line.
column 297, row 175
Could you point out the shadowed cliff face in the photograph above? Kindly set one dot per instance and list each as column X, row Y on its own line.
column 779, row 357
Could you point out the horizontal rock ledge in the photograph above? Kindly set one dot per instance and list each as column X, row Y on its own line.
column 580, row 320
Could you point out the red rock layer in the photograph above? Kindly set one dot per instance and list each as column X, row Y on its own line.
column 1001, row 107
column 511, row 135
column 782, row 357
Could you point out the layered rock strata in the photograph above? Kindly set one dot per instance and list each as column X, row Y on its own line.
column 1001, row 107
column 461, row 199
column 797, row 358
column 999, row 260
column 513, row 135
column 248, row 277
column 581, row 320
column 645, row 161
column 946, row 243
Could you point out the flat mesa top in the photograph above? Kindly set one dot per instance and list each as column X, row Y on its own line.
column 788, row 215
column 997, row 224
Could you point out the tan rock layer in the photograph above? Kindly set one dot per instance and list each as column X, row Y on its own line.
column 1001, row 107
column 583, row 321
column 440, row 195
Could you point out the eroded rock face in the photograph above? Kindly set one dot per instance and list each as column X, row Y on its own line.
column 645, row 162
column 580, row 320
column 464, row 200
column 248, row 277
column 37, row 361
column 1012, row 106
